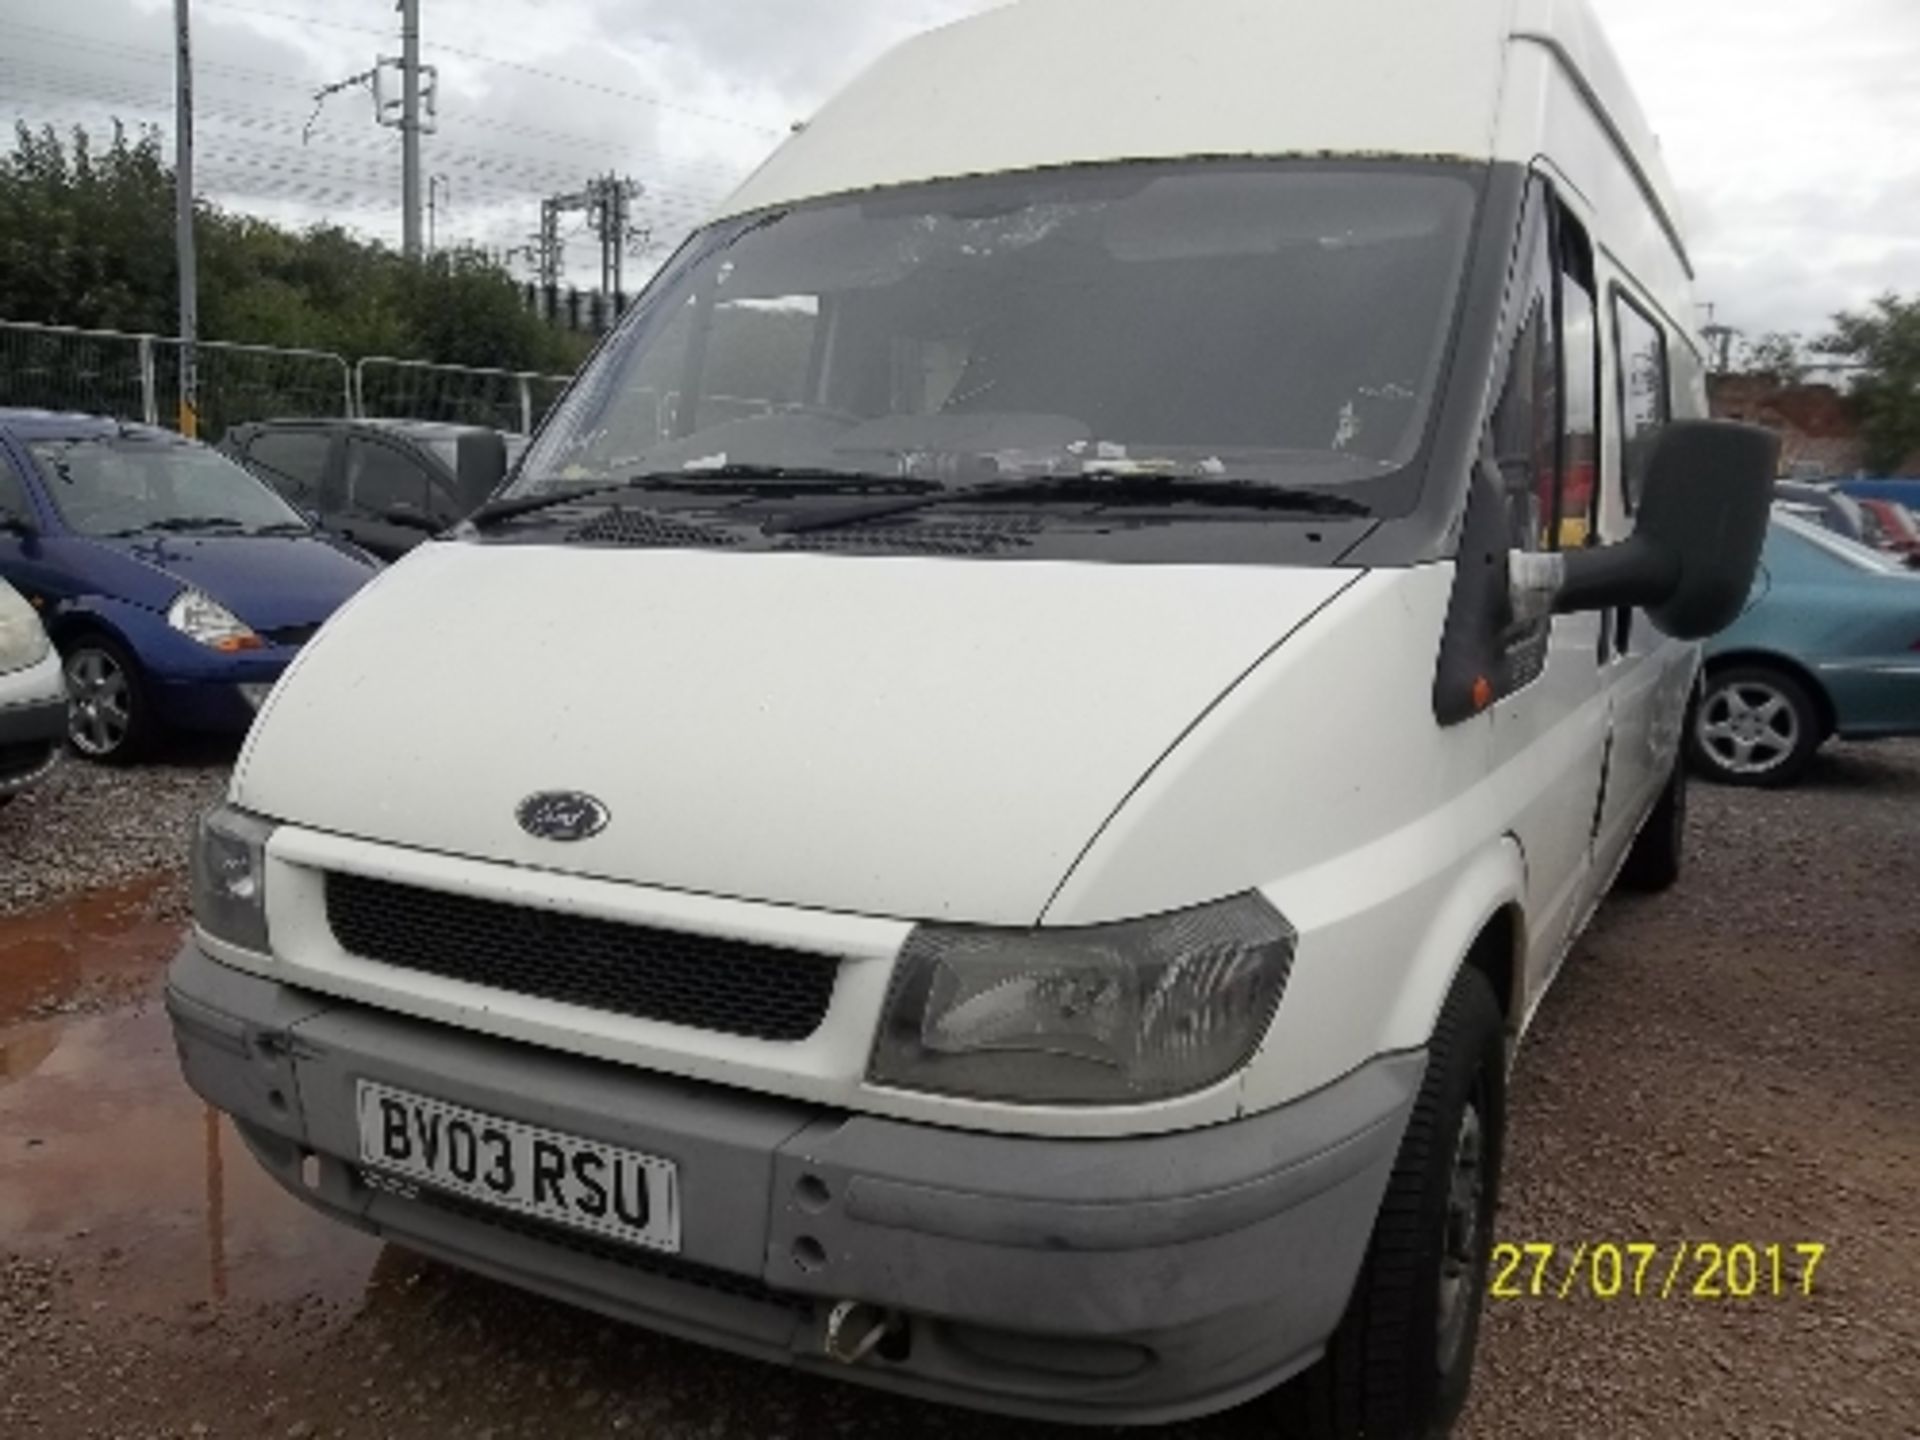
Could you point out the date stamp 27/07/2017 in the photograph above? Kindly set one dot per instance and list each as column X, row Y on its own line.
column 1691, row 1270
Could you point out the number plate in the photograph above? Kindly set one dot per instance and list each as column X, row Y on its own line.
column 621, row 1194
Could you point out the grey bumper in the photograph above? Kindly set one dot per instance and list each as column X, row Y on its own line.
column 1121, row 1281
column 31, row 737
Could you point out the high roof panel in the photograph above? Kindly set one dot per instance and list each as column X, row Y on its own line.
column 1056, row 82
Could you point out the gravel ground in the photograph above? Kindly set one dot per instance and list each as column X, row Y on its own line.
column 92, row 825
column 1733, row 1062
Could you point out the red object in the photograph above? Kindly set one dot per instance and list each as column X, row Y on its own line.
column 1899, row 530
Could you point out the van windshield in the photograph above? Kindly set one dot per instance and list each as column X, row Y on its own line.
column 1273, row 322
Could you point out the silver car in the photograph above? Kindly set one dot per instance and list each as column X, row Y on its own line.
column 33, row 697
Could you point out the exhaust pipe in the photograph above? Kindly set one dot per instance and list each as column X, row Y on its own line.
column 856, row 1329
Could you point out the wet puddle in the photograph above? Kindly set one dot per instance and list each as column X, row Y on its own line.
column 117, row 938
column 109, row 1163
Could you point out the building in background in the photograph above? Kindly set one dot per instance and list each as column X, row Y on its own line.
column 1820, row 438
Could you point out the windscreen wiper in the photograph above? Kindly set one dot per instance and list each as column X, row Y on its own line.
column 1101, row 487
column 283, row 527
column 181, row 524
column 730, row 479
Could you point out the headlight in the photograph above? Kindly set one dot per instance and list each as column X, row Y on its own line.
column 202, row 618
column 1107, row 1015
column 230, row 877
column 23, row 639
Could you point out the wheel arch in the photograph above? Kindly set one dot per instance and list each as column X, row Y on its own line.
column 1774, row 660
column 1499, row 953
column 72, row 622
column 1482, row 926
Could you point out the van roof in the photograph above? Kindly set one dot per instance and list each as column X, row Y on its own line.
column 1059, row 82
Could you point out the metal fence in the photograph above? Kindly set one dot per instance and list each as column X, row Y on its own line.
column 418, row 390
column 137, row 377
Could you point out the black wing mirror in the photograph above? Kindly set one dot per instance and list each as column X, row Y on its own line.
column 13, row 522
column 1696, row 541
column 481, row 464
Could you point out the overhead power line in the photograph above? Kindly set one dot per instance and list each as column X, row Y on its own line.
column 558, row 77
column 27, row 73
column 540, row 173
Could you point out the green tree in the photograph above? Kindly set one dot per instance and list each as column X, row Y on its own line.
column 1885, row 342
column 86, row 238
column 462, row 309
column 1780, row 355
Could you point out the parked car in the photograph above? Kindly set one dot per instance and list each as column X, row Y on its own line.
column 175, row 586
column 1000, row 846
column 384, row 485
column 1838, row 511
column 1902, row 491
column 1829, row 646
column 1894, row 528
column 33, row 696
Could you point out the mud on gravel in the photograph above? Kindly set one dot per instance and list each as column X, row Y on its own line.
column 1736, row 1061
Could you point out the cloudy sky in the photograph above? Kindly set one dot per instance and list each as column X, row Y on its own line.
column 1788, row 124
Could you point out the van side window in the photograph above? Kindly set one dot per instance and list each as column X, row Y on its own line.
column 1580, row 415
column 1646, row 396
column 1523, row 430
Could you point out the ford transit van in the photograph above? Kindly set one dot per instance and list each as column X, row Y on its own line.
column 988, row 807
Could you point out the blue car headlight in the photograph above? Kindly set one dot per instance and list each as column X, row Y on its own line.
column 203, row 619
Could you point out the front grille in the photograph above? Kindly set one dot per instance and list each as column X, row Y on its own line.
column 19, row 761
column 649, row 529
column 945, row 536
column 708, row 983
column 665, row 1267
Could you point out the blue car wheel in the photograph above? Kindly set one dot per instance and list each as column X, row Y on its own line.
column 107, row 714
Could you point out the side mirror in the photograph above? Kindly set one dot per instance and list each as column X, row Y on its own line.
column 13, row 522
column 480, row 466
column 1696, row 542
column 412, row 517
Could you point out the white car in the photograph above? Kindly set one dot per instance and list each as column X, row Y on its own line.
column 989, row 806
column 33, row 698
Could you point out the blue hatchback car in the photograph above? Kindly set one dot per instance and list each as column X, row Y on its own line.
column 1829, row 645
column 175, row 585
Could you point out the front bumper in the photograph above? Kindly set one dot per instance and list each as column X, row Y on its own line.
column 33, row 724
column 1118, row 1281
column 222, row 706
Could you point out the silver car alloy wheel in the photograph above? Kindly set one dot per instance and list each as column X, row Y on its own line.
column 1748, row 727
column 99, row 702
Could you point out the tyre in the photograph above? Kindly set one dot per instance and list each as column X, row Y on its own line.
column 1755, row 726
column 108, row 716
column 1654, row 862
column 1399, row 1365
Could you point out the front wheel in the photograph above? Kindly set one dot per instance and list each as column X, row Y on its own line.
column 107, row 716
column 1754, row 726
column 1399, row 1365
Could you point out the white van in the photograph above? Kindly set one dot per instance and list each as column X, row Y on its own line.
column 989, row 805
